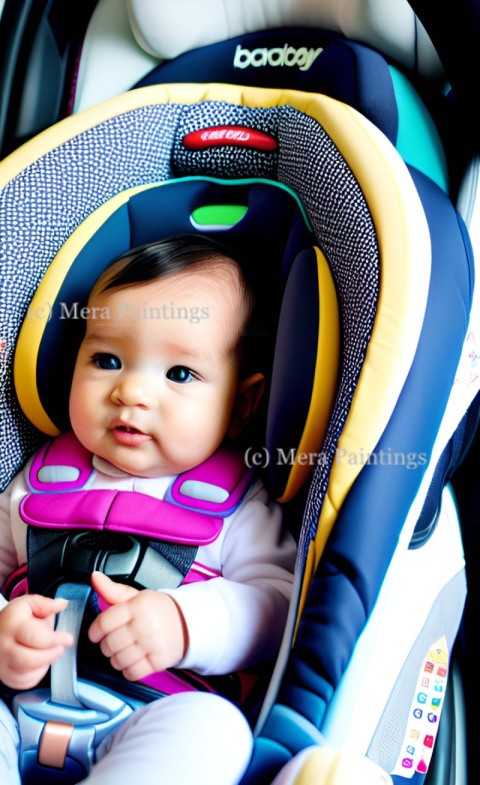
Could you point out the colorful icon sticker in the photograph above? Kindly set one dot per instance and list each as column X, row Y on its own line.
column 424, row 714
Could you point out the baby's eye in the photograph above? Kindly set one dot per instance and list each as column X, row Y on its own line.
column 180, row 374
column 107, row 362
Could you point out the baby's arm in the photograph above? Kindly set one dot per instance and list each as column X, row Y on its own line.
column 238, row 620
column 28, row 642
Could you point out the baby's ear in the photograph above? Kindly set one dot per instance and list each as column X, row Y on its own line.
column 249, row 394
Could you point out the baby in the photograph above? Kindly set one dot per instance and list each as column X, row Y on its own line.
column 154, row 394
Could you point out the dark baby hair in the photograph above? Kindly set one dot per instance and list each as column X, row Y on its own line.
column 167, row 257
column 174, row 255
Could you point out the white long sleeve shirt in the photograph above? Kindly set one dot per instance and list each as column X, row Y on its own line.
column 234, row 620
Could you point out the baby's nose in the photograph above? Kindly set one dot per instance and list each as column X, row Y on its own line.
column 133, row 391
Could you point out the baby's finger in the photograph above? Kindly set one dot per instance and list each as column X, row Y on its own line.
column 128, row 657
column 116, row 641
column 111, row 591
column 112, row 619
column 30, row 660
column 138, row 670
column 44, row 607
column 39, row 635
column 25, row 681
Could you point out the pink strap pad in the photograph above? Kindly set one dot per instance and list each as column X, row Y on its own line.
column 129, row 512
column 180, row 518
column 224, row 469
column 66, row 450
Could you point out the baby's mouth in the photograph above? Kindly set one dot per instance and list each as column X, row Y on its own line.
column 129, row 435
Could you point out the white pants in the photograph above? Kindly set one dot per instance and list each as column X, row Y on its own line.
column 190, row 737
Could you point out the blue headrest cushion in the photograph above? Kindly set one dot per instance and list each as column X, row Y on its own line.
column 298, row 58
column 294, row 365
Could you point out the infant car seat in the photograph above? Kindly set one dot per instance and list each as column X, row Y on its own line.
column 377, row 514
column 373, row 517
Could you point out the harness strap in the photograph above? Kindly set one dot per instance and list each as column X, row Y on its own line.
column 74, row 529
column 55, row 557
column 131, row 536
column 63, row 671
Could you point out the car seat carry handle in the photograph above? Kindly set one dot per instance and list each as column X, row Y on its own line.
column 63, row 672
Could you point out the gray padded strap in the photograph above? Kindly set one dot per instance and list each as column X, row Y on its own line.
column 64, row 685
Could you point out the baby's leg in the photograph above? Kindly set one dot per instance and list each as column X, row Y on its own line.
column 9, row 743
column 179, row 740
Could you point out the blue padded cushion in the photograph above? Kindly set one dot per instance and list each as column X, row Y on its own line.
column 345, row 70
column 350, row 574
column 294, row 364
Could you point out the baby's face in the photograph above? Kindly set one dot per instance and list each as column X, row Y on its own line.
column 156, row 376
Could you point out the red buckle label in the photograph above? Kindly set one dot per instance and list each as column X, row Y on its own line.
column 236, row 135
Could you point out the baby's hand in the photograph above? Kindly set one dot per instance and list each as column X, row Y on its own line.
column 28, row 642
column 141, row 633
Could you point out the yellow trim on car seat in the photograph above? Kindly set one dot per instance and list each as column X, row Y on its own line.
column 39, row 312
column 405, row 254
column 325, row 380
column 403, row 239
column 324, row 765
column 308, row 573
